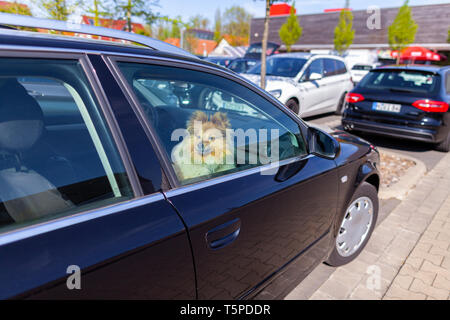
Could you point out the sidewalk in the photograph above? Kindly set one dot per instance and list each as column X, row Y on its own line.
column 408, row 255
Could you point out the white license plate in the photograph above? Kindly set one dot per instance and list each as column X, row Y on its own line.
column 388, row 107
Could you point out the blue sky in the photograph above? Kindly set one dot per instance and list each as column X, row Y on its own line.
column 207, row 8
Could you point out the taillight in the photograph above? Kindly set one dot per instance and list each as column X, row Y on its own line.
column 431, row 106
column 354, row 97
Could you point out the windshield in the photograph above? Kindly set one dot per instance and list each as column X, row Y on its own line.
column 362, row 67
column 257, row 48
column 400, row 80
column 283, row 67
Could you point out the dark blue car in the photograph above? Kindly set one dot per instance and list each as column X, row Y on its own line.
column 407, row 102
column 134, row 172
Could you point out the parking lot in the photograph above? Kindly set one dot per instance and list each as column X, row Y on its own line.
column 322, row 284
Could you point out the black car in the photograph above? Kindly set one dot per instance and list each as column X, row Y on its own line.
column 135, row 172
column 221, row 61
column 255, row 49
column 408, row 102
column 242, row 65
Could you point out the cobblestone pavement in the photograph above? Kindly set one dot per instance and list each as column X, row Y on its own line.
column 408, row 255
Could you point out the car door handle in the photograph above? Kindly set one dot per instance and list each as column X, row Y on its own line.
column 223, row 234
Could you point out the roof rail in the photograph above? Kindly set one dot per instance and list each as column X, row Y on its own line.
column 32, row 22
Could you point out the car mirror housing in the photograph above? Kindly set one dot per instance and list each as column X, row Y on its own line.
column 322, row 144
column 314, row 76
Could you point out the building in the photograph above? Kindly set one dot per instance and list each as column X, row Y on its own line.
column 113, row 24
column 318, row 29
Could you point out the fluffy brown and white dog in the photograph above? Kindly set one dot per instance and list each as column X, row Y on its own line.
column 207, row 149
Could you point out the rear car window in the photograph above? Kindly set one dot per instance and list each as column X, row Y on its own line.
column 448, row 82
column 400, row 80
column 57, row 156
column 362, row 67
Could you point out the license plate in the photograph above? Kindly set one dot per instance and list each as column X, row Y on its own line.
column 387, row 107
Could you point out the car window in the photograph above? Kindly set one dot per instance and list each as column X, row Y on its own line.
column 217, row 126
column 340, row 66
column 281, row 66
column 401, row 80
column 315, row 67
column 330, row 68
column 238, row 66
column 362, row 67
column 56, row 153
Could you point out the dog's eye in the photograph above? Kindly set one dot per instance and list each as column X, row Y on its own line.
column 198, row 137
column 212, row 138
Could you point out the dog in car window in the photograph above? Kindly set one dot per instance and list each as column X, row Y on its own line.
column 206, row 149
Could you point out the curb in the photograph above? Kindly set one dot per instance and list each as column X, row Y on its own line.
column 407, row 182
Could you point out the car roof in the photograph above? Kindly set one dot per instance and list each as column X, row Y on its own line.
column 415, row 67
column 23, row 40
column 305, row 55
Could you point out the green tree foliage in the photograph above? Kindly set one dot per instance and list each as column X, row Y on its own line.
column 344, row 33
column 290, row 31
column 402, row 31
column 129, row 9
column 236, row 22
column 448, row 39
column 199, row 22
column 175, row 31
column 57, row 9
column 16, row 8
column 218, row 25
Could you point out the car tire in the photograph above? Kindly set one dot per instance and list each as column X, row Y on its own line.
column 340, row 107
column 293, row 105
column 444, row 146
column 363, row 194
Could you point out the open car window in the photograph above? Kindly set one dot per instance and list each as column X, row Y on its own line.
column 210, row 125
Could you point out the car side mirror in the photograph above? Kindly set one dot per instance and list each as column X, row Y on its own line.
column 314, row 76
column 322, row 144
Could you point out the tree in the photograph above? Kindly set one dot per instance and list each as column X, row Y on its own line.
column 97, row 8
column 175, row 31
column 264, row 41
column 16, row 8
column 236, row 22
column 199, row 22
column 448, row 39
column 344, row 33
column 57, row 9
column 402, row 31
column 127, row 9
column 217, row 25
column 290, row 31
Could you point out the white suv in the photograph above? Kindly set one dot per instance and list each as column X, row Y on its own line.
column 306, row 83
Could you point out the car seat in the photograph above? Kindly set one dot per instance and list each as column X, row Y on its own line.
column 25, row 193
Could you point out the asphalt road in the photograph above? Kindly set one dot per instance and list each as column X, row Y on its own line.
column 419, row 150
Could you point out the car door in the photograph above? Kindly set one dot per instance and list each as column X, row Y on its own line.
column 314, row 93
column 334, row 82
column 247, row 219
column 80, row 217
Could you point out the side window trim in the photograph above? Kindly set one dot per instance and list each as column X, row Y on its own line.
column 113, row 126
column 112, row 61
column 147, row 126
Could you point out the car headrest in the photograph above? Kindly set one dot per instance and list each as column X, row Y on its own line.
column 21, row 118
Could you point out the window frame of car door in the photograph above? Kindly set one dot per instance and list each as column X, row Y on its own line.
column 112, row 62
column 104, row 108
column 302, row 73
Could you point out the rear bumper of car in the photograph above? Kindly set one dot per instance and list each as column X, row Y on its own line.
column 397, row 131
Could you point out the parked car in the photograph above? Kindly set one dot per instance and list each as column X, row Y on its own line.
column 255, row 49
column 96, row 201
column 242, row 65
column 360, row 70
column 221, row 61
column 307, row 84
column 408, row 102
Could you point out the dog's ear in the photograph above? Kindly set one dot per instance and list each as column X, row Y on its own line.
column 196, row 116
column 220, row 120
